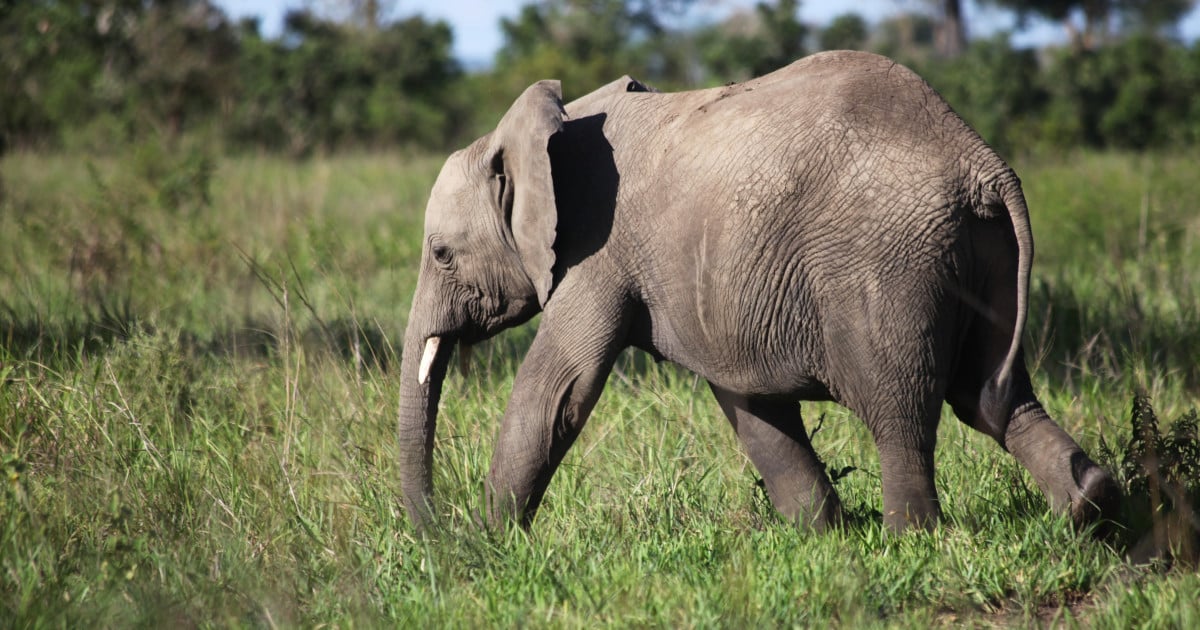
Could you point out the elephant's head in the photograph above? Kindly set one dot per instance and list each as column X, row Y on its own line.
column 486, row 265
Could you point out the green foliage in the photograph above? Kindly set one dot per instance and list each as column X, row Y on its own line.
column 105, row 71
column 328, row 86
column 585, row 44
column 1135, row 93
column 750, row 45
column 49, row 71
column 91, row 76
column 1131, row 94
column 907, row 37
column 1099, row 15
column 78, row 73
column 183, row 53
column 996, row 88
column 1056, row 10
column 783, row 34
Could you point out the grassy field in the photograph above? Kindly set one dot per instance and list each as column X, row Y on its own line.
column 197, row 416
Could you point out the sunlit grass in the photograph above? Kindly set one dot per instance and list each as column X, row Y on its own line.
column 192, row 431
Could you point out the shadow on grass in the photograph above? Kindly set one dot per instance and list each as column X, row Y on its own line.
column 97, row 329
column 93, row 330
column 32, row 336
column 1080, row 329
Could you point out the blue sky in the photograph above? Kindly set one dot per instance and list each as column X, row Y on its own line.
column 477, row 31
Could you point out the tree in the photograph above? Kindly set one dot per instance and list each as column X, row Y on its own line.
column 359, row 15
column 1153, row 15
column 587, row 43
column 334, row 84
column 1098, row 15
column 846, row 32
column 952, row 33
column 185, row 51
column 1095, row 14
column 909, row 37
column 748, row 45
column 784, row 33
column 996, row 89
column 47, row 69
column 1137, row 93
column 140, row 63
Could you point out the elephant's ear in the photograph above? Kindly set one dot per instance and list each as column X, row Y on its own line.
column 522, row 148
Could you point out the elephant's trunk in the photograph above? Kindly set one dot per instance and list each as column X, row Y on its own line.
column 422, row 370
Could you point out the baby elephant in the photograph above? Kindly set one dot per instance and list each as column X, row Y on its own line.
column 829, row 231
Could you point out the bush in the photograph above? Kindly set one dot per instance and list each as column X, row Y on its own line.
column 1160, row 474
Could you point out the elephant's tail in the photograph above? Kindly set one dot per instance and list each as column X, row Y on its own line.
column 996, row 398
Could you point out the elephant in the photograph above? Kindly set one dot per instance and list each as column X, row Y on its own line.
column 831, row 231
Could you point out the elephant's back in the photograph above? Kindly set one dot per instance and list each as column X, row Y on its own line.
column 844, row 115
column 843, row 129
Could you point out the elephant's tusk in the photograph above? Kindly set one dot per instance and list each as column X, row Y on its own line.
column 431, row 348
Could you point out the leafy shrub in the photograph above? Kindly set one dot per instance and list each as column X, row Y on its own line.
column 1160, row 475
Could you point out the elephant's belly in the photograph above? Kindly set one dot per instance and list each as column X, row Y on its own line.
column 793, row 387
column 741, row 358
column 755, row 379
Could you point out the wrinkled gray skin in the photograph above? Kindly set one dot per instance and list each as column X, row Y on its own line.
column 830, row 231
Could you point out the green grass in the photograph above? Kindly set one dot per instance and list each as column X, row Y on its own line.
column 197, row 411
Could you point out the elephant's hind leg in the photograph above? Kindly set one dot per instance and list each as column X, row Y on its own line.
column 1071, row 481
column 1065, row 474
column 897, row 391
column 905, row 439
column 773, row 435
column 898, row 394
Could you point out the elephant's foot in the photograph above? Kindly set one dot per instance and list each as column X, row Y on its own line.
column 1098, row 496
column 910, row 499
column 913, row 514
column 817, row 515
column 1072, row 482
column 508, row 506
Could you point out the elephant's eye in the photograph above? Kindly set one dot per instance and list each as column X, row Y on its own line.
column 501, row 189
column 442, row 254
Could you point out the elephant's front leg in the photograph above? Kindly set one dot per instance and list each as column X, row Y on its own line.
column 556, row 387
column 773, row 435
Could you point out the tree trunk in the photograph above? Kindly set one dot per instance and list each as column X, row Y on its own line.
column 952, row 36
